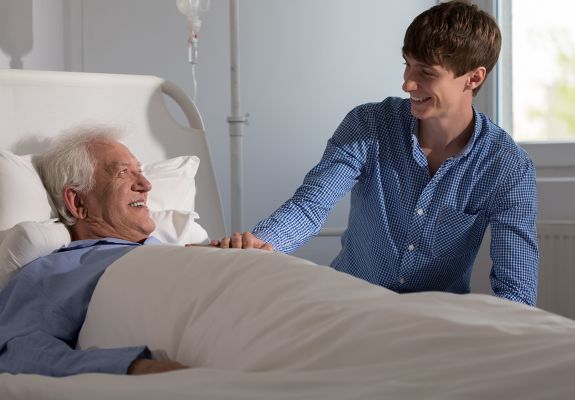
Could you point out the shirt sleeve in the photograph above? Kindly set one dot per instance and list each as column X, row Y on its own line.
column 40, row 353
column 514, row 249
column 42, row 310
column 340, row 167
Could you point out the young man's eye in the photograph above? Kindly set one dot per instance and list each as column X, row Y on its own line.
column 428, row 73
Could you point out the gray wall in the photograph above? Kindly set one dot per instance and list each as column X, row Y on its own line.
column 304, row 64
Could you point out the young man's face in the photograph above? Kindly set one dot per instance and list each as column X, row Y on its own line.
column 116, row 206
column 434, row 91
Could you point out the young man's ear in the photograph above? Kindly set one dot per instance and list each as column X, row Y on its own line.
column 75, row 203
column 476, row 78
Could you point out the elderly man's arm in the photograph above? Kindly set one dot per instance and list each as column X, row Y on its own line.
column 42, row 310
column 142, row 366
column 41, row 353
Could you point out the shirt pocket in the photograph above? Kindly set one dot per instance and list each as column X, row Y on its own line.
column 457, row 233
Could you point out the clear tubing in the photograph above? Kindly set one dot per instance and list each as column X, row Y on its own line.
column 194, row 83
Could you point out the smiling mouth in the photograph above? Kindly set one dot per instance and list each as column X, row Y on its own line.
column 137, row 204
column 419, row 99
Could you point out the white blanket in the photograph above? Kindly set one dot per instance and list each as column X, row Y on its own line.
column 258, row 325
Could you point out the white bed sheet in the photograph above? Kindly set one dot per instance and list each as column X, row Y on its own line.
column 260, row 325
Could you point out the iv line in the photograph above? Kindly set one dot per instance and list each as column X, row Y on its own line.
column 194, row 84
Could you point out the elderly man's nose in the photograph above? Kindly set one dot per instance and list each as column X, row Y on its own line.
column 142, row 184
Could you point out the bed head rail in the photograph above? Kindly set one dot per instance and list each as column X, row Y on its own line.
column 35, row 105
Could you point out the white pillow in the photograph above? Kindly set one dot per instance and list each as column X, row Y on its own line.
column 24, row 198
column 178, row 227
column 173, row 185
column 22, row 195
column 27, row 241
column 172, row 200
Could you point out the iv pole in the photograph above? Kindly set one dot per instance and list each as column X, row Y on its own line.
column 236, row 122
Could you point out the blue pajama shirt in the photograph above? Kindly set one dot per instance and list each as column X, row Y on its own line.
column 43, row 307
column 410, row 231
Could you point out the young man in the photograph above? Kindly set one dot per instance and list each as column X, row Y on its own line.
column 427, row 174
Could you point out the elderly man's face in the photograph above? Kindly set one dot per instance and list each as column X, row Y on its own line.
column 116, row 206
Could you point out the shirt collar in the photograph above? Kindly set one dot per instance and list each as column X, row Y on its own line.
column 476, row 130
column 79, row 244
column 418, row 154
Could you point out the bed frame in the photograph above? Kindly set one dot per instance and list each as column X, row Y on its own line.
column 35, row 105
column 265, row 325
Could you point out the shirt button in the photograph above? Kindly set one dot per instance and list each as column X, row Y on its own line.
column 401, row 280
column 420, row 211
column 410, row 247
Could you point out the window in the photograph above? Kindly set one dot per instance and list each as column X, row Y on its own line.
column 531, row 94
column 539, row 59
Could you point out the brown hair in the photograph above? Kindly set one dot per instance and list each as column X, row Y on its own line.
column 456, row 35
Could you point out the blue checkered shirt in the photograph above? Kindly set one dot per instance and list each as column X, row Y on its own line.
column 409, row 231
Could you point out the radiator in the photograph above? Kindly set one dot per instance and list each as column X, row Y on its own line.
column 557, row 267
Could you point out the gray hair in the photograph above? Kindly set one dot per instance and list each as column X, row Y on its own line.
column 67, row 162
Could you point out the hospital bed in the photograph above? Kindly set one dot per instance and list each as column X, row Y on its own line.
column 252, row 324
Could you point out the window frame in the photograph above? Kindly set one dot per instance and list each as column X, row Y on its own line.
column 495, row 100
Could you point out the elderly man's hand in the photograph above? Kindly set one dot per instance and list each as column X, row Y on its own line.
column 145, row 366
column 244, row 240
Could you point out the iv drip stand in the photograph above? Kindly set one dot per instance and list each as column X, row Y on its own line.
column 236, row 122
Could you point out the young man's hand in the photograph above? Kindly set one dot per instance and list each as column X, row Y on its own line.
column 244, row 240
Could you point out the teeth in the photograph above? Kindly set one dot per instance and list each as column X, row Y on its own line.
column 137, row 204
column 418, row 99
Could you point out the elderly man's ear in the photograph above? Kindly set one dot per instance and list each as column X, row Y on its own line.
column 75, row 203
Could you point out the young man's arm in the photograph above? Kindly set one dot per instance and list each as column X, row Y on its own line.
column 342, row 163
column 514, row 249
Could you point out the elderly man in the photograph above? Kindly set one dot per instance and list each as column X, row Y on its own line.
column 100, row 192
